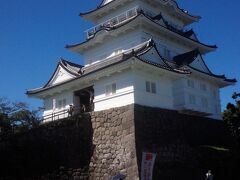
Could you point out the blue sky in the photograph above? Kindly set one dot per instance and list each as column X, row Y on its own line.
column 33, row 35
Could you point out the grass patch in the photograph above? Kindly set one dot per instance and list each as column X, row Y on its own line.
column 216, row 148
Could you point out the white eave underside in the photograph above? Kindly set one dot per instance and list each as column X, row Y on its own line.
column 216, row 80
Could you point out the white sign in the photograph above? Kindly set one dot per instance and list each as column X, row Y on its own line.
column 148, row 160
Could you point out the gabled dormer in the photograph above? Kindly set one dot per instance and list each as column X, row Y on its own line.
column 64, row 71
column 194, row 61
column 199, row 64
column 104, row 2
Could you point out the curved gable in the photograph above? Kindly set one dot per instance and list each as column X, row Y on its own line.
column 152, row 56
column 194, row 37
column 104, row 2
column 60, row 76
column 199, row 64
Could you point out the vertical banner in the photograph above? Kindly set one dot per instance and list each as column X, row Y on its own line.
column 148, row 160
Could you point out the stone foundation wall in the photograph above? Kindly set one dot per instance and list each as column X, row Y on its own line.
column 94, row 146
column 99, row 145
column 57, row 150
column 114, row 142
column 186, row 146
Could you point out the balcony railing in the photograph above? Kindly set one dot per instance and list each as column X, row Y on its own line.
column 68, row 112
column 56, row 116
column 127, row 15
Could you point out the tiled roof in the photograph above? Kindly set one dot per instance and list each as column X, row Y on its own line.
column 169, row 27
column 184, row 60
column 136, row 52
column 70, row 67
column 187, row 34
column 223, row 77
column 81, row 71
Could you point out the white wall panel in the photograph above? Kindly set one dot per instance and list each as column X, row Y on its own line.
column 124, row 94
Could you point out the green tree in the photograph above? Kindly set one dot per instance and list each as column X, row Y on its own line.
column 231, row 116
column 17, row 116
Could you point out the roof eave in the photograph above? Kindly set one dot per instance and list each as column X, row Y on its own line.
column 205, row 48
column 221, row 80
column 92, row 15
column 41, row 91
column 227, row 82
column 192, row 20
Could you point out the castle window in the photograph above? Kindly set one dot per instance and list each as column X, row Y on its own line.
column 122, row 18
column 214, row 93
column 203, row 87
column 204, row 103
column 110, row 89
column 61, row 104
column 190, row 83
column 114, row 21
column 151, row 87
column 192, row 99
column 131, row 13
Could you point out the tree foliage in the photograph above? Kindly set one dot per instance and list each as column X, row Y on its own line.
column 232, row 116
column 16, row 116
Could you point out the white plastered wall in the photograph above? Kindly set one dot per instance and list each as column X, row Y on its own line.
column 163, row 97
column 124, row 91
column 112, row 45
column 146, row 6
column 131, row 88
column 118, row 11
column 182, row 93
column 48, row 102
column 160, row 40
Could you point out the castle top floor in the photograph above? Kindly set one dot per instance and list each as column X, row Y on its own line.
column 168, row 8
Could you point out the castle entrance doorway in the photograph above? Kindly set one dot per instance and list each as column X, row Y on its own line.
column 83, row 100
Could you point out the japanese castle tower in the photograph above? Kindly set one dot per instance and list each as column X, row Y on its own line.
column 139, row 52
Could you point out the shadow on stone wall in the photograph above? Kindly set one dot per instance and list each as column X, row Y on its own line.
column 102, row 144
column 186, row 146
column 57, row 150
